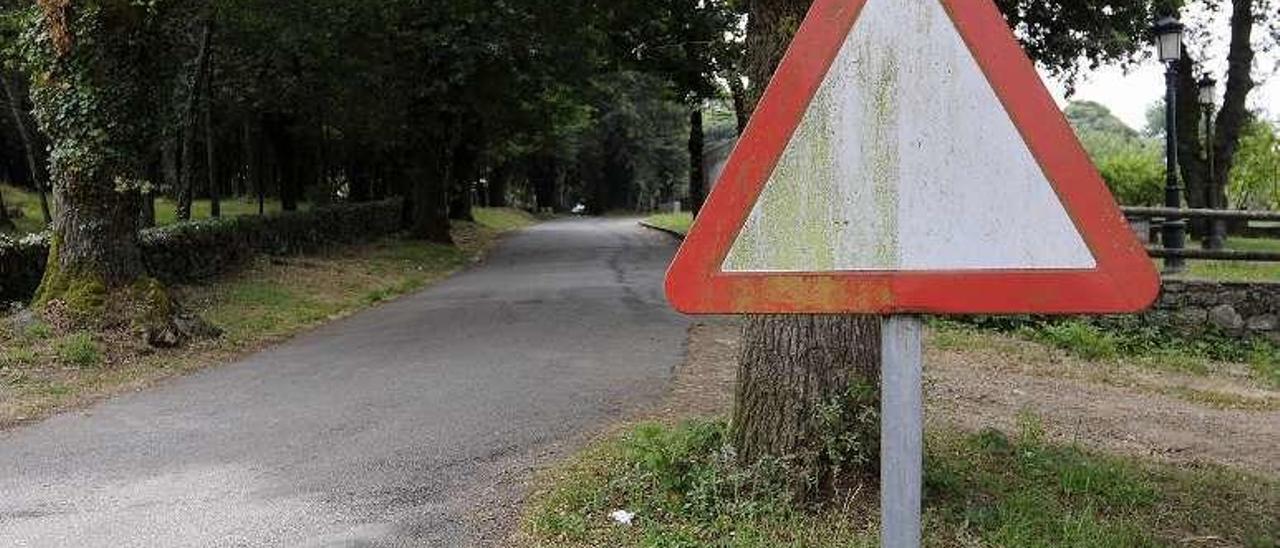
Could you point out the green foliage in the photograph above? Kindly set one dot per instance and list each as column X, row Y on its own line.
column 95, row 86
column 79, row 350
column 38, row 330
column 200, row 250
column 1134, row 338
column 1079, row 338
column 17, row 355
column 675, row 222
column 502, row 219
column 986, row 489
column 1135, row 176
column 686, row 490
column 632, row 154
column 1131, row 165
column 1028, row 492
column 30, row 220
column 1255, row 180
column 1088, row 116
column 1236, row 270
column 849, row 427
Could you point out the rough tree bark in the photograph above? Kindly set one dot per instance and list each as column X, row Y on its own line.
column 1207, row 187
column 211, row 158
column 5, row 221
column 429, row 199
column 95, row 274
column 792, row 367
column 17, row 98
column 462, row 171
column 1234, row 115
column 189, row 124
column 739, row 93
column 499, row 178
column 697, row 150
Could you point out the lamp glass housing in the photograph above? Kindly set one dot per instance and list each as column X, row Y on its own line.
column 1208, row 91
column 1169, row 39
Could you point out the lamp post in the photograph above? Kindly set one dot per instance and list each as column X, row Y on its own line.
column 1168, row 32
column 1218, row 227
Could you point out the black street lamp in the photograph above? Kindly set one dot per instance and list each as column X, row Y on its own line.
column 1168, row 32
column 1218, row 227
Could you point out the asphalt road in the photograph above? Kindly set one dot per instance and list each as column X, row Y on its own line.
column 408, row 425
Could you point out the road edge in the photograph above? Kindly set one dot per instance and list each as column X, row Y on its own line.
column 679, row 236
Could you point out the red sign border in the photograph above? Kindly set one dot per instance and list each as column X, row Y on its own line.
column 1124, row 281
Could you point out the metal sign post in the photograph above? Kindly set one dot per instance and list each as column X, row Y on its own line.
column 901, row 431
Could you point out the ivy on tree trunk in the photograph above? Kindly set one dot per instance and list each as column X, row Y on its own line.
column 801, row 376
column 93, row 88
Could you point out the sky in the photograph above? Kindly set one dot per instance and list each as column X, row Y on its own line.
column 1129, row 94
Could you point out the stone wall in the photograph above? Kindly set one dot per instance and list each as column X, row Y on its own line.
column 1240, row 309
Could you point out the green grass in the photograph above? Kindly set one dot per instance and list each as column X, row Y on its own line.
column 1127, row 340
column 503, row 219
column 42, row 370
column 166, row 209
column 32, row 219
column 677, row 222
column 1239, row 271
column 79, row 349
column 988, row 489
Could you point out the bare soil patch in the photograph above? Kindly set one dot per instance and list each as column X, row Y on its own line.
column 1115, row 407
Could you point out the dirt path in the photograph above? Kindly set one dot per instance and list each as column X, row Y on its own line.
column 1117, row 408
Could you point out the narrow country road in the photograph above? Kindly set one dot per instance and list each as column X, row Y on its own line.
column 384, row 429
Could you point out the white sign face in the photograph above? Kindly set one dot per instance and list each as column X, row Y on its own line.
column 906, row 160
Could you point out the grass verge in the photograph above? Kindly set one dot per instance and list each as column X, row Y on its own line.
column 987, row 489
column 675, row 222
column 1239, row 271
column 1128, row 343
column 44, row 369
column 32, row 220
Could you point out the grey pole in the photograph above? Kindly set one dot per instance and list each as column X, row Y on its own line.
column 901, row 432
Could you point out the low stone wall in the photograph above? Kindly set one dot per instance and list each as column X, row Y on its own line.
column 1238, row 309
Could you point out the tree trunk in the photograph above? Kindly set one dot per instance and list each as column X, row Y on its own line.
column 542, row 173
column 1234, row 115
column 792, row 368
column 497, row 188
column 5, row 222
column 793, row 371
column 461, row 171
column 189, row 124
column 430, row 200
column 697, row 171
column 361, row 180
column 211, row 160
column 252, row 162
column 1191, row 158
column 10, row 81
column 95, row 274
column 738, row 92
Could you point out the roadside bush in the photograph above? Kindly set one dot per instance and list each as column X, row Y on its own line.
column 80, row 350
column 21, row 265
column 203, row 249
column 1135, row 177
column 1132, row 167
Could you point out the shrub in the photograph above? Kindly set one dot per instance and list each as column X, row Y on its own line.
column 199, row 250
column 21, row 265
column 80, row 350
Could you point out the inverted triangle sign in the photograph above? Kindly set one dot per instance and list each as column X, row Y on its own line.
column 907, row 158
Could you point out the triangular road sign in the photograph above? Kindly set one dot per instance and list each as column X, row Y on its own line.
column 907, row 158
